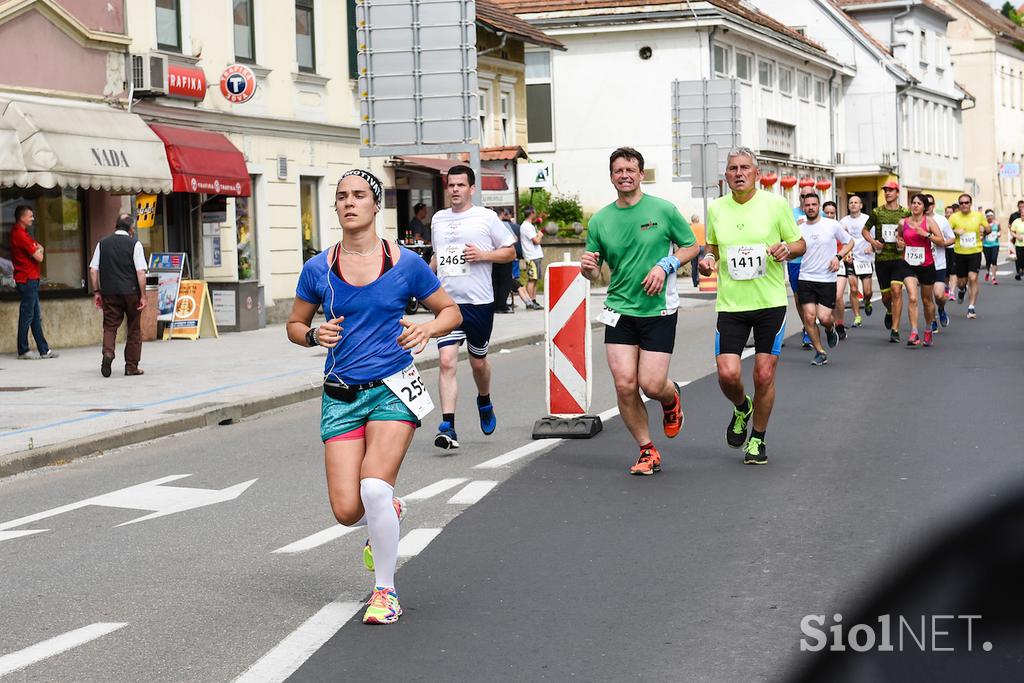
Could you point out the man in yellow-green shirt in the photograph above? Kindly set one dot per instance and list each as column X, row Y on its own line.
column 1017, row 234
column 750, row 232
column 970, row 227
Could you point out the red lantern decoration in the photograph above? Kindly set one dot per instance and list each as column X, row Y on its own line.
column 807, row 181
column 787, row 181
column 823, row 184
column 769, row 179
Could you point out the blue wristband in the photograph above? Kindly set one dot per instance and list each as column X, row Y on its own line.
column 669, row 264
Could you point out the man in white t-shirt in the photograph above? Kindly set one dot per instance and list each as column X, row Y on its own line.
column 816, row 290
column 941, row 265
column 467, row 240
column 533, row 255
column 861, row 263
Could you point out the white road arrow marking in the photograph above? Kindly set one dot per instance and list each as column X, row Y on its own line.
column 54, row 646
column 160, row 500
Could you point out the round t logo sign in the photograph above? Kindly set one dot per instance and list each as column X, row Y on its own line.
column 238, row 83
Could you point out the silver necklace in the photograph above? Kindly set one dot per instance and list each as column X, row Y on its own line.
column 358, row 253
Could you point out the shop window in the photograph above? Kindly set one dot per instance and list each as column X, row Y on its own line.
column 540, row 122
column 59, row 227
column 245, row 234
column 245, row 31
column 308, row 193
column 305, row 38
column 168, row 25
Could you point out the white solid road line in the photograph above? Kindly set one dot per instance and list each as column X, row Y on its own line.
column 290, row 653
column 53, row 646
column 316, row 540
column 472, row 492
column 415, row 541
column 434, row 489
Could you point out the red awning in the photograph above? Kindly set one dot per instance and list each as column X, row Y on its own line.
column 493, row 183
column 205, row 162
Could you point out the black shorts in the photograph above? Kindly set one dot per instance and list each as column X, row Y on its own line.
column 654, row 333
column 768, row 324
column 821, row 293
column 925, row 275
column 951, row 259
column 847, row 269
column 889, row 272
column 967, row 263
column 475, row 330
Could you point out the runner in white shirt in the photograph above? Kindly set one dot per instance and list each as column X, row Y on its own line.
column 467, row 240
column 860, row 263
column 817, row 289
column 941, row 266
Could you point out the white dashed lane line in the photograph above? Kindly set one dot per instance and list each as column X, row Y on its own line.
column 415, row 541
column 472, row 492
column 54, row 646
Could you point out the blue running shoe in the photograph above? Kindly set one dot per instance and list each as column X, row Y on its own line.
column 488, row 421
column 943, row 317
column 446, row 437
column 935, row 326
column 807, row 341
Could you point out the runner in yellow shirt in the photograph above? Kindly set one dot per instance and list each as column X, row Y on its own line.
column 970, row 227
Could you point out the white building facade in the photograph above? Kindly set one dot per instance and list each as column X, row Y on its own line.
column 613, row 85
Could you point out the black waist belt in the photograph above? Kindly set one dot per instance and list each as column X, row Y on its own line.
column 347, row 392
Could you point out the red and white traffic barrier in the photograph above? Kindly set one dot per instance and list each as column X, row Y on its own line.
column 568, row 355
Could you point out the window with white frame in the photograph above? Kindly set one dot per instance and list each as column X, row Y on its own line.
column 820, row 92
column 941, row 53
column 922, row 47
column 766, row 73
column 1002, row 86
column 508, row 133
column 785, row 80
column 905, row 122
column 484, row 112
column 803, row 85
column 539, row 111
column 744, row 66
column 721, row 57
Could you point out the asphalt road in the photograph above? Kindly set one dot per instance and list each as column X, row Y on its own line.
column 568, row 568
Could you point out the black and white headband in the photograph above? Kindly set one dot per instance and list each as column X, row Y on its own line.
column 371, row 180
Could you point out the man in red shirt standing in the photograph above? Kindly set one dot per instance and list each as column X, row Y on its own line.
column 27, row 254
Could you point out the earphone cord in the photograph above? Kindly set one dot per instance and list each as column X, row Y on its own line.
column 330, row 316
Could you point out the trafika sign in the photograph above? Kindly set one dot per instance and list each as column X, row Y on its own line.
column 238, row 83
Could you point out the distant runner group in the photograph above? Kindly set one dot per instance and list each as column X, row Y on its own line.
column 374, row 399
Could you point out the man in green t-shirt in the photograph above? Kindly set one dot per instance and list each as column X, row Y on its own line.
column 750, row 233
column 970, row 228
column 890, row 268
column 643, row 240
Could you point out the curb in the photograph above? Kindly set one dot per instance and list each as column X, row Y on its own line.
column 61, row 454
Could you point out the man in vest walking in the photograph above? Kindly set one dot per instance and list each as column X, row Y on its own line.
column 117, row 273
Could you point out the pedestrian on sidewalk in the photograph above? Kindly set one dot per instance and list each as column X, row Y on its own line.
column 644, row 240
column 26, row 255
column 373, row 396
column 117, row 274
column 698, row 232
column 533, row 255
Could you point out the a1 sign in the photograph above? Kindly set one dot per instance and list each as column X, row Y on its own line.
column 238, row 83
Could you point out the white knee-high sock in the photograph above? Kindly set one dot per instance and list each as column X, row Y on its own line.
column 382, row 523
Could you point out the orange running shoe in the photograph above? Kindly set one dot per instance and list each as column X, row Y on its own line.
column 673, row 417
column 649, row 462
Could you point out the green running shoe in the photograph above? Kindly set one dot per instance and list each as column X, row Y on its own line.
column 383, row 607
column 755, row 452
column 736, row 434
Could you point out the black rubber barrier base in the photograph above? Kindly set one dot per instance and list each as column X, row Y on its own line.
column 582, row 427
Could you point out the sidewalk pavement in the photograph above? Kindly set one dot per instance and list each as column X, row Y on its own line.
column 52, row 411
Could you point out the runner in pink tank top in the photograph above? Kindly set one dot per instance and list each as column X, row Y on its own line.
column 916, row 236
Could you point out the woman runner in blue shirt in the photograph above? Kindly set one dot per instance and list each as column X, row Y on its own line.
column 373, row 397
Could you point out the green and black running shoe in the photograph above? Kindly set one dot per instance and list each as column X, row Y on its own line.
column 736, row 434
column 755, row 453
